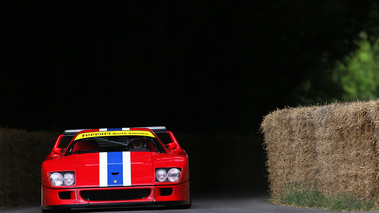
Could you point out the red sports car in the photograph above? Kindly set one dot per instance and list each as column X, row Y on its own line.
column 118, row 167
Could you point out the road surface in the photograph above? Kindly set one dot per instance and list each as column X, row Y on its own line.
column 206, row 203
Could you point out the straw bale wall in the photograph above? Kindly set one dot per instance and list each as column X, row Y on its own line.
column 21, row 156
column 333, row 148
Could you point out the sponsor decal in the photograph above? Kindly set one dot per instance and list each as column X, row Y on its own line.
column 114, row 133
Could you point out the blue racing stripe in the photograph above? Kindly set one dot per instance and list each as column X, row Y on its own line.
column 114, row 129
column 115, row 173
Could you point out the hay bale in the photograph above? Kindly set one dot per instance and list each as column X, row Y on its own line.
column 5, row 169
column 333, row 148
column 21, row 155
column 374, row 114
column 290, row 147
column 357, row 146
column 303, row 145
column 326, row 151
column 274, row 127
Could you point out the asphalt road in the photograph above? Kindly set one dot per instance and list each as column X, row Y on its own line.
column 212, row 202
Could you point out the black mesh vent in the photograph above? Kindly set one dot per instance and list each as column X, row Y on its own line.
column 122, row 194
column 166, row 191
column 64, row 195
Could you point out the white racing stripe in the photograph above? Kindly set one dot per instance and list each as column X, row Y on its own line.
column 126, row 169
column 103, row 169
column 103, row 165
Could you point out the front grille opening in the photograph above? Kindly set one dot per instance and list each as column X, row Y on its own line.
column 64, row 195
column 166, row 191
column 109, row 195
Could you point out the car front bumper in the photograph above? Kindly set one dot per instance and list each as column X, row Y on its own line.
column 115, row 206
column 116, row 197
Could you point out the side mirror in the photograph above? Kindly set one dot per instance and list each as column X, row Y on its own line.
column 57, row 150
column 171, row 145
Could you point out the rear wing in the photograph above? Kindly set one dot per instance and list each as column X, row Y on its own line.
column 155, row 129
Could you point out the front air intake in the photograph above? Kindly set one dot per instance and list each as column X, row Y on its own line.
column 113, row 195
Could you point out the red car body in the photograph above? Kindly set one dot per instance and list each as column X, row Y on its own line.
column 156, row 175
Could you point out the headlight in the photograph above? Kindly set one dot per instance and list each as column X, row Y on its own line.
column 167, row 174
column 68, row 179
column 173, row 174
column 62, row 178
column 161, row 175
column 56, row 179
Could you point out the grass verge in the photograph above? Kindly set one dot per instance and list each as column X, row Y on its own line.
column 300, row 195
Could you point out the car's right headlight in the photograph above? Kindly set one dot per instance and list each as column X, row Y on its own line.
column 62, row 178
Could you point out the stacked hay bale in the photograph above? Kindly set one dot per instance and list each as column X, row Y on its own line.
column 327, row 149
column 288, row 133
column 333, row 148
column 21, row 156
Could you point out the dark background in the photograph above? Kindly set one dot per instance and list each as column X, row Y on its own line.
column 196, row 67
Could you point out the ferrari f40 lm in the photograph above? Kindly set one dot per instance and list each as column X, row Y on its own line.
column 115, row 168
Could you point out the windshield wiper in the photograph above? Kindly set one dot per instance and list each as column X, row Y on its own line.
column 116, row 142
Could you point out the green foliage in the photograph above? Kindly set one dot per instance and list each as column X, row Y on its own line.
column 358, row 75
column 303, row 195
column 355, row 77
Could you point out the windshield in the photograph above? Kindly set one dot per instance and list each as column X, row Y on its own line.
column 115, row 144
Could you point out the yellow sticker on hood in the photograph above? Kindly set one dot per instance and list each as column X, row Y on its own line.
column 114, row 133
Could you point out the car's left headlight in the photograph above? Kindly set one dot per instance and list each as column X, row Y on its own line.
column 167, row 174
column 62, row 178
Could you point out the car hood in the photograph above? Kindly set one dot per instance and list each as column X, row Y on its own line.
column 114, row 169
